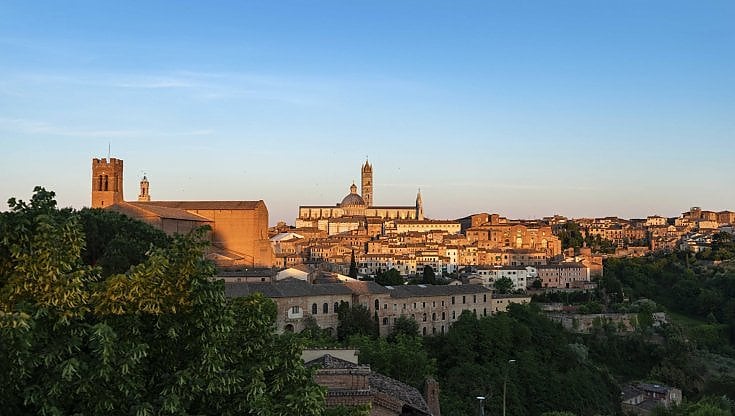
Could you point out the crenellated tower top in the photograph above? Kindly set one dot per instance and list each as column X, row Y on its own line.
column 107, row 182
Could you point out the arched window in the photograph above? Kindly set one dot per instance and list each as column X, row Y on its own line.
column 336, row 306
column 99, row 185
column 484, row 311
column 484, row 298
column 433, row 316
column 325, row 308
column 454, row 315
column 444, row 316
column 313, row 309
column 424, row 317
column 377, row 305
column 106, row 183
column 385, row 321
column 424, row 331
column 433, row 331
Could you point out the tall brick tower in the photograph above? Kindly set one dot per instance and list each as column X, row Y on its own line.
column 367, row 184
column 107, row 182
column 419, row 207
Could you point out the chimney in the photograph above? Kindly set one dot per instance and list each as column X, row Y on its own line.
column 431, row 395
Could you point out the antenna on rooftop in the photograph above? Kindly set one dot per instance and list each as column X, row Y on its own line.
column 108, row 150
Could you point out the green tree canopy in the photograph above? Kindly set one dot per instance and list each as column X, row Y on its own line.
column 390, row 278
column 404, row 359
column 160, row 338
column 405, row 326
column 354, row 320
column 503, row 285
column 429, row 277
column 353, row 266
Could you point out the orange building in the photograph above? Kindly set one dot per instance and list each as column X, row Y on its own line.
column 239, row 233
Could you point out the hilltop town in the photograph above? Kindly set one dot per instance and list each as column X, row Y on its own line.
column 336, row 253
column 360, row 308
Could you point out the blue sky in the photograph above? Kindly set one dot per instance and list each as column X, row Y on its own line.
column 581, row 108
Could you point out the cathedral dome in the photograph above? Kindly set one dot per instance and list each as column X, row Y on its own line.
column 352, row 199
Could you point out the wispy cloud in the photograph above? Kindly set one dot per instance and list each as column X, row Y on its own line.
column 25, row 126
column 209, row 86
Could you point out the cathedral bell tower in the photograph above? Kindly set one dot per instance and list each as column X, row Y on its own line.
column 367, row 184
column 144, row 188
column 107, row 182
column 419, row 207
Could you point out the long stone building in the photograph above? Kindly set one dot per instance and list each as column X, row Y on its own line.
column 239, row 233
column 433, row 307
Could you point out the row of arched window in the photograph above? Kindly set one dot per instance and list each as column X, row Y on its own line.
column 325, row 308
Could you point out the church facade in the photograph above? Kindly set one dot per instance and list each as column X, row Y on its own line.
column 356, row 211
column 239, row 229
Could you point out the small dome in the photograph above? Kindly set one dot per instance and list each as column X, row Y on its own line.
column 352, row 199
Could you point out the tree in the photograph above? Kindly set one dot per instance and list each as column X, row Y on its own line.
column 404, row 359
column 354, row 320
column 429, row 277
column 404, row 326
column 390, row 278
column 570, row 235
column 159, row 338
column 115, row 242
column 503, row 285
column 353, row 266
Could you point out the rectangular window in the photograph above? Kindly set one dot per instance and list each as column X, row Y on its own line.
column 294, row 309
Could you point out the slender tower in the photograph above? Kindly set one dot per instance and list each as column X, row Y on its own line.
column 144, row 188
column 419, row 207
column 367, row 184
column 107, row 182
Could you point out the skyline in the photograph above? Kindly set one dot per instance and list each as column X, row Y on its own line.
column 526, row 110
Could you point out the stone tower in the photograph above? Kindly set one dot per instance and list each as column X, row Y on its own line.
column 144, row 187
column 107, row 182
column 419, row 207
column 367, row 184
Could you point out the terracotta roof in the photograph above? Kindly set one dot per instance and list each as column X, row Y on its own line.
column 208, row 205
column 366, row 287
column 328, row 361
column 568, row 265
column 407, row 291
column 426, row 222
column 162, row 212
column 285, row 289
column 409, row 395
